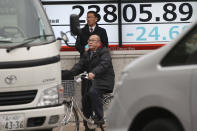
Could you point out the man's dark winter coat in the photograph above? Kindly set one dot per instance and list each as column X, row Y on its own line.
column 100, row 65
column 82, row 41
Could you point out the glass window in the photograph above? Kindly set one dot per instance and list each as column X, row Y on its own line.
column 22, row 21
column 184, row 52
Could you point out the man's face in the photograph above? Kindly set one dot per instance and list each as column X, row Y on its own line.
column 93, row 42
column 91, row 19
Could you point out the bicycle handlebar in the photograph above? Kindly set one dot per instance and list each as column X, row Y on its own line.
column 82, row 76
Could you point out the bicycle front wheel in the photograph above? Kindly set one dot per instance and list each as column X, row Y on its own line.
column 76, row 120
column 73, row 124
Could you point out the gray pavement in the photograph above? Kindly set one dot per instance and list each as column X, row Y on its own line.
column 71, row 127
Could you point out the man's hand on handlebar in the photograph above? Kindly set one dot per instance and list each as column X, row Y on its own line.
column 91, row 76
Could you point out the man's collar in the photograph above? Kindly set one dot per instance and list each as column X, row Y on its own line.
column 98, row 49
column 93, row 27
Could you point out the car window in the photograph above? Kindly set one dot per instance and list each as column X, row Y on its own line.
column 184, row 52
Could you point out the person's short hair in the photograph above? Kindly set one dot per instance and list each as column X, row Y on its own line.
column 99, row 38
column 93, row 12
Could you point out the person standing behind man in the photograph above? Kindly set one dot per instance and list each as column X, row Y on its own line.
column 91, row 28
column 82, row 41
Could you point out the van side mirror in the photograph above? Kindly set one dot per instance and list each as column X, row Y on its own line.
column 64, row 37
column 74, row 24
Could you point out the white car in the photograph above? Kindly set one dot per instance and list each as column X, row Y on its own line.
column 158, row 92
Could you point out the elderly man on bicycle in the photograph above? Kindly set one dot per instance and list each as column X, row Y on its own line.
column 98, row 64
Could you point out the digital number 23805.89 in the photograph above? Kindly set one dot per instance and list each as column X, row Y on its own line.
column 110, row 15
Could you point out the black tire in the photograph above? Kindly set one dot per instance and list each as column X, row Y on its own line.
column 162, row 125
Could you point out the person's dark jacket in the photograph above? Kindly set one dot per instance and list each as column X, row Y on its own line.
column 82, row 40
column 100, row 65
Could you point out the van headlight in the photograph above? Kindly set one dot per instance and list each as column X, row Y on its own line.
column 51, row 96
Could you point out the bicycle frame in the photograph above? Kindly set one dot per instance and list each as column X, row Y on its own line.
column 71, row 105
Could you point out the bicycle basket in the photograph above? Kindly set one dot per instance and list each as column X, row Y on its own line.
column 69, row 88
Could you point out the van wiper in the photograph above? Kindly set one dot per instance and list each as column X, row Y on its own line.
column 27, row 41
column 39, row 36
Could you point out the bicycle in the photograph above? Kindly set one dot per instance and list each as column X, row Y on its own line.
column 72, row 108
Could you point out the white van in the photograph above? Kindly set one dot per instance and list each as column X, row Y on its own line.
column 30, row 71
column 158, row 92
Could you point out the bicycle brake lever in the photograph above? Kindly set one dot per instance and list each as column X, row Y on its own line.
column 84, row 76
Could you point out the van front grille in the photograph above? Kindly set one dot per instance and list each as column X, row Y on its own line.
column 17, row 97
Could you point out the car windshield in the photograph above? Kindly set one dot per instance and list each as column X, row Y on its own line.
column 22, row 20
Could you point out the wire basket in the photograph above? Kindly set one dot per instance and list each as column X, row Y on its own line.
column 69, row 88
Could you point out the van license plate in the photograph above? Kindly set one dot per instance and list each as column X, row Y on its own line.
column 12, row 122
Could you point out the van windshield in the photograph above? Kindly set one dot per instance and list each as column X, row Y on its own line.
column 22, row 20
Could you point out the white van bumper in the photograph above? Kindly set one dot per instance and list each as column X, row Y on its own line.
column 31, row 119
